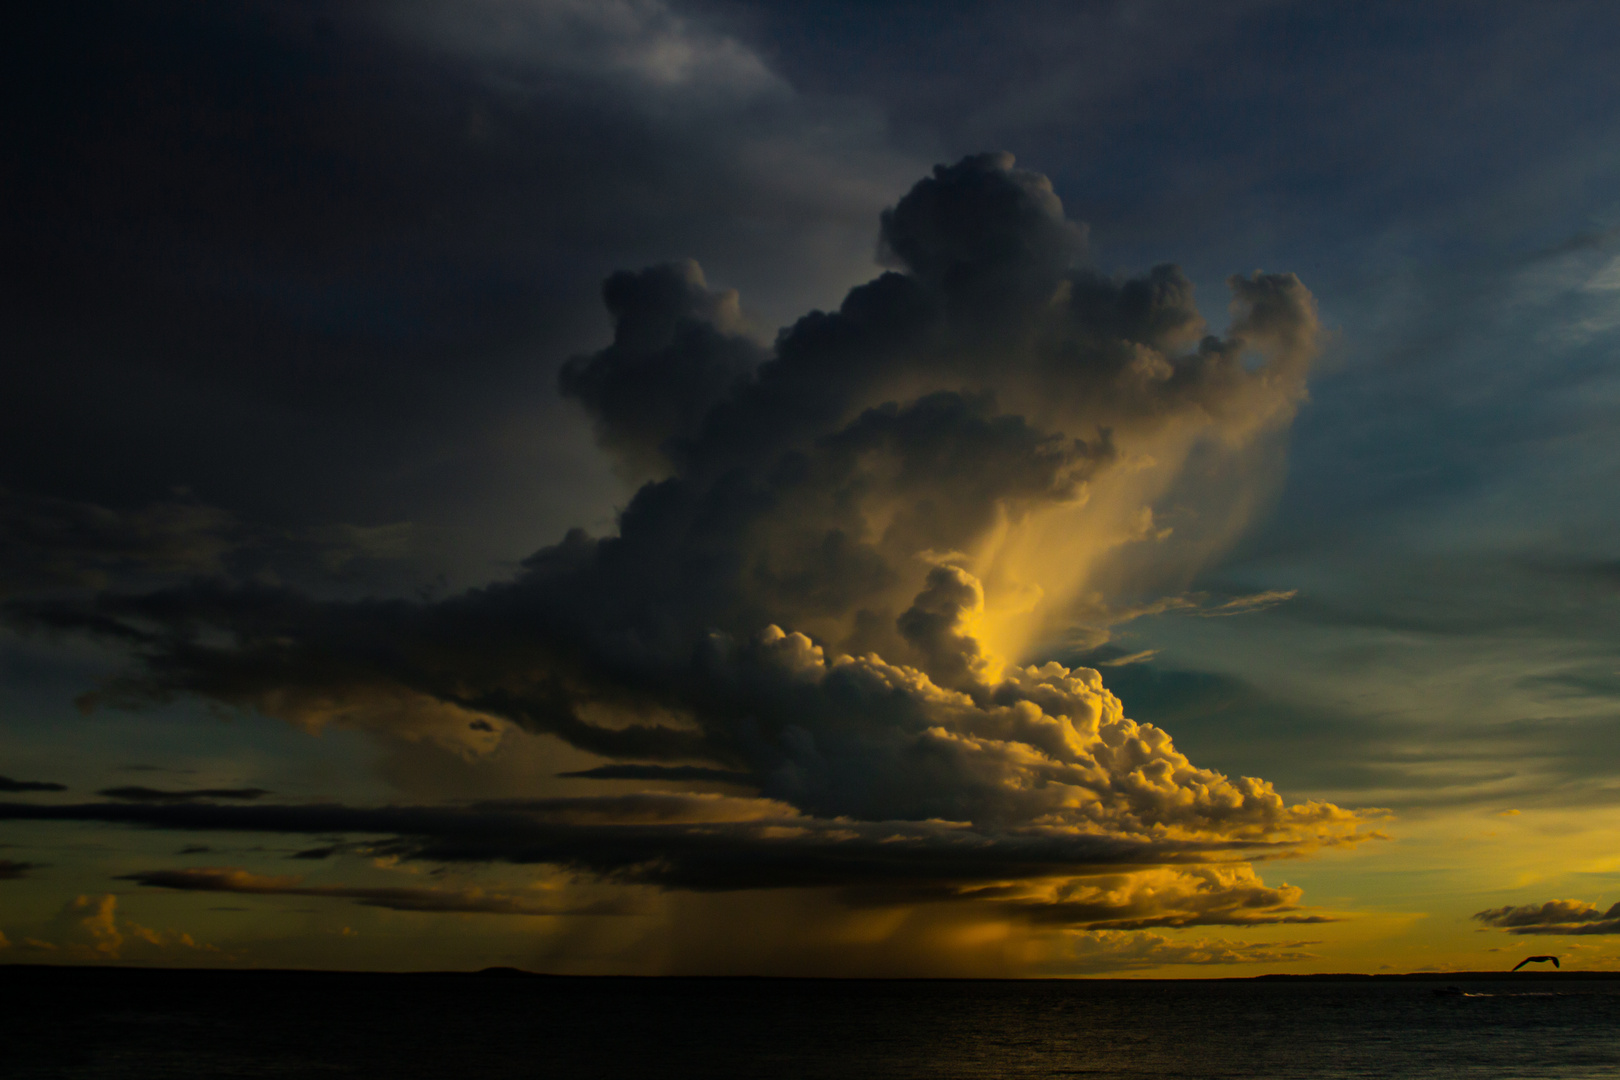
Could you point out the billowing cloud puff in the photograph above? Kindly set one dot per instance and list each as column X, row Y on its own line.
column 90, row 928
column 677, row 347
column 1577, row 917
column 835, row 582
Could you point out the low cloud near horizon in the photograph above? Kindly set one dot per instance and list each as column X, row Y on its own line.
column 1577, row 918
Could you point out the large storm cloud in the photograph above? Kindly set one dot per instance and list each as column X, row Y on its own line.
column 839, row 582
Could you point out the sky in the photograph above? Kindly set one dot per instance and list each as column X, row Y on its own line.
column 1039, row 489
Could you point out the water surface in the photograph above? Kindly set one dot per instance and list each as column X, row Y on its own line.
column 136, row 1024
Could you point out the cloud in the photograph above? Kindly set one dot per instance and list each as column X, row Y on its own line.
column 669, row 773
column 1198, row 896
column 677, row 349
column 1241, row 605
column 46, row 542
column 1126, row 659
column 1093, row 618
column 450, row 187
column 1573, row 917
column 804, row 496
column 99, row 921
column 640, row 45
column 136, row 793
column 1039, row 875
column 90, row 928
column 775, row 608
column 437, row 900
column 11, row 870
column 13, row 786
column 1115, row 950
column 49, row 544
column 399, row 198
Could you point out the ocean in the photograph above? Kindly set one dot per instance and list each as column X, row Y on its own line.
column 133, row 1024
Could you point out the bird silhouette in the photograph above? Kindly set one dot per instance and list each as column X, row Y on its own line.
column 1536, row 960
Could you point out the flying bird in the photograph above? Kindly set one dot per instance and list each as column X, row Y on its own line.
column 1536, row 960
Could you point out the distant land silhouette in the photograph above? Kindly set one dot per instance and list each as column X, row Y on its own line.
column 15, row 970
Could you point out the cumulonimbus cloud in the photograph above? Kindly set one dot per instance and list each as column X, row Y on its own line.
column 834, row 583
column 1576, row 917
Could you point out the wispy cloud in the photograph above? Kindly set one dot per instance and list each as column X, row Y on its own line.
column 18, row 786
column 397, row 898
column 136, row 793
column 1130, row 658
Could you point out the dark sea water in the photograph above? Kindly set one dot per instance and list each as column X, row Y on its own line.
column 137, row 1024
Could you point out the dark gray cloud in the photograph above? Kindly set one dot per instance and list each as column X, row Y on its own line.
column 46, row 542
column 54, row 545
column 710, row 844
column 11, row 870
column 7, row 784
column 317, row 854
column 397, row 898
column 1572, row 917
column 681, row 841
column 319, row 263
column 136, row 793
column 667, row 773
column 677, row 349
column 983, row 234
